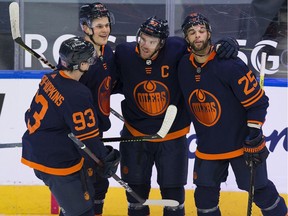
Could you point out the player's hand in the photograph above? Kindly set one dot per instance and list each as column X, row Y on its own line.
column 227, row 47
column 110, row 163
column 255, row 150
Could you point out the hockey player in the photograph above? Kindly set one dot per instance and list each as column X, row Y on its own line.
column 228, row 108
column 63, row 105
column 95, row 21
column 148, row 75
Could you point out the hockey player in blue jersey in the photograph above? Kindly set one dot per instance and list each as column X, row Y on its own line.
column 147, row 72
column 63, row 105
column 228, row 108
column 96, row 21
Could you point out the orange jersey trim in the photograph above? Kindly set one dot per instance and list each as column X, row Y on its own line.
column 255, row 122
column 210, row 57
column 88, row 135
column 253, row 99
column 62, row 73
column 221, row 156
column 169, row 136
column 54, row 171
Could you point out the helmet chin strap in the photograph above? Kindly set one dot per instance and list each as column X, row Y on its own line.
column 201, row 55
column 91, row 37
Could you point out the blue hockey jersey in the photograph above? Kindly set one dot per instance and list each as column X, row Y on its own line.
column 222, row 96
column 99, row 80
column 150, row 87
column 60, row 106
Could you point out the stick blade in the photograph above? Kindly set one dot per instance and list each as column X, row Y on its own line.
column 163, row 202
column 169, row 118
column 14, row 20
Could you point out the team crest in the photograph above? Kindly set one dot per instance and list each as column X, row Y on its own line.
column 152, row 97
column 104, row 92
column 205, row 107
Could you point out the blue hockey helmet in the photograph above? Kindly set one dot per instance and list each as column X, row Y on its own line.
column 155, row 27
column 89, row 12
column 74, row 51
column 195, row 19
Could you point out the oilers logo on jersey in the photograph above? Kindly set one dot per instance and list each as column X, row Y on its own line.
column 205, row 107
column 152, row 97
column 104, row 96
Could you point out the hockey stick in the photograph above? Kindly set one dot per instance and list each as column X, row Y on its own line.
column 163, row 202
column 15, row 30
column 10, row 145
column 252, row 165
column 165, row 127
column 262, row 69
column 251, row 188
column 118, row 115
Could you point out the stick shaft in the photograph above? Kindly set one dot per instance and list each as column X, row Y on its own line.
column 251, row 189
column 252, row 166
column 15, row 30
column 82, row 146
column 262, row 69
column 118, row 115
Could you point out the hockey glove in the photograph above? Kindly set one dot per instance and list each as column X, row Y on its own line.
column 110, row 163
column 255, row 150
column 227, row 48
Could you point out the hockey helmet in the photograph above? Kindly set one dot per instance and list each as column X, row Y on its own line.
column 74, row 51
column 155, row 27
column 195, row 19
column 89, row 12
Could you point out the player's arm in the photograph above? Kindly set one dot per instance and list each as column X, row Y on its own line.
column 254, row 100
column 83, row 124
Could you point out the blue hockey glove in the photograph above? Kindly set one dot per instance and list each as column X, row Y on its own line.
column 110, row 163
column 255, row 150
column 227, row 48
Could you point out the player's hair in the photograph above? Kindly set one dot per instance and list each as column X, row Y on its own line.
column 155, row 27
column 195, row 19
column 89, row 12
column 74, row 51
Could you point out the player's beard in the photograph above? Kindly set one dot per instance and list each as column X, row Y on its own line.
column 201, row 49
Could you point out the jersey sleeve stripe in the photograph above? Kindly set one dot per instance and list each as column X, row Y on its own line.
column 88, row 135
column 253, row 99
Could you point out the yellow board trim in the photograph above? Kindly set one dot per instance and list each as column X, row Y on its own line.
column 35, row 200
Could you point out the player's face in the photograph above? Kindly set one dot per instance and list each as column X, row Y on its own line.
column 148, row 45
column 198, row 38
column 101, row 29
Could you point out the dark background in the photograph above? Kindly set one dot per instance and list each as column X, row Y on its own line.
column 254, row 21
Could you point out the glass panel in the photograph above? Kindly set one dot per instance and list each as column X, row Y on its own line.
column 45, row 24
